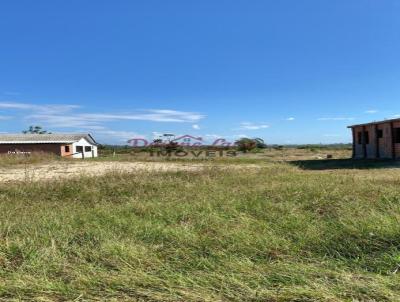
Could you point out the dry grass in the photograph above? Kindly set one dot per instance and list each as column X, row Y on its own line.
column 270, row 154
column 9, row 160
column 275, row 233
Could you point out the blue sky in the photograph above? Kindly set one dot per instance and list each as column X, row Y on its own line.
column 287, row 71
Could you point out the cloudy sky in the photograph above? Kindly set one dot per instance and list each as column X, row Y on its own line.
column 287, row 71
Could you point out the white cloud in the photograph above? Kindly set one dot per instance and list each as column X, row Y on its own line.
column 153, row 115
column 196, row 127
column 63, row 121
column 45, row 109
column 64, row 116
column 336, row 119
column 216, row 136
column 157, row 134
column 22, row 106
column 95, row 119
column 253, row 126
column 371, row 111
column 115, row 135
column 3, row 117
column 290, row 119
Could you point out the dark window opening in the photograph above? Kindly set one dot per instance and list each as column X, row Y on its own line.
column 363, row 138
column 379, row 133
column 66, row 148
column 366, row 137
column 88, row 149
column 359, row 138
column 79, row 149
column 397, row 135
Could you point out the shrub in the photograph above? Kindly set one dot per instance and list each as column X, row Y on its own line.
column 246, row 144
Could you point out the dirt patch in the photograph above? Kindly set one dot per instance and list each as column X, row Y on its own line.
column 66, row 170
column 69, row 169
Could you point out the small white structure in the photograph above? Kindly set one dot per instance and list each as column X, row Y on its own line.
column 84, row 148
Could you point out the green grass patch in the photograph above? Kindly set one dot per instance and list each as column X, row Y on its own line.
column 276, row 233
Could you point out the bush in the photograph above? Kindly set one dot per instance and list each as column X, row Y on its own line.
column 246, row 144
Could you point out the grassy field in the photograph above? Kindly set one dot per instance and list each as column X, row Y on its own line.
column 284, row 231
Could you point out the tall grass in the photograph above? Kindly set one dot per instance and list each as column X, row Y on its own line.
column 32, row 158
column 273, row 234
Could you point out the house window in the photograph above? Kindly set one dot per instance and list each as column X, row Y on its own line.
column 79, row 149
column 359, row 138
column 379, row 133
column 66, row 148
column 88, row 149
column 366, row 137
column 397, row 135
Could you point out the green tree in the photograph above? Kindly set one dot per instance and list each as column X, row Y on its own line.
column 260, row 143
column 157, row 141
column 35, row 130
column 246, row 144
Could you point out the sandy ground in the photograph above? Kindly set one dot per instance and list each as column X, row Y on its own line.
column 59, row 170
column 66, row 170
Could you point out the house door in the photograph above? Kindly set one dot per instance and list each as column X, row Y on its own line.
column 79, row 149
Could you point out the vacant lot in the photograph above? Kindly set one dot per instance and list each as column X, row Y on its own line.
column 46, row 167
column 273, row 231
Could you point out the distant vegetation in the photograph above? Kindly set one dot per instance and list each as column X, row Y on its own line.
column 248, row 144
column 322, row 146
column 35, row 130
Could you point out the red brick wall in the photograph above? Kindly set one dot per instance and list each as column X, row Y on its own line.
column 64, row 153
column 385, row 143
column 371, row 147
column 397, row 146
column 358, row 147
column 48, row 148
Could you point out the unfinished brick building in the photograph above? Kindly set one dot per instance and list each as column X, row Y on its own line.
column 377, row 140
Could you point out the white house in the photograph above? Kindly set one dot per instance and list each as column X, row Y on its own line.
column 86, row 147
